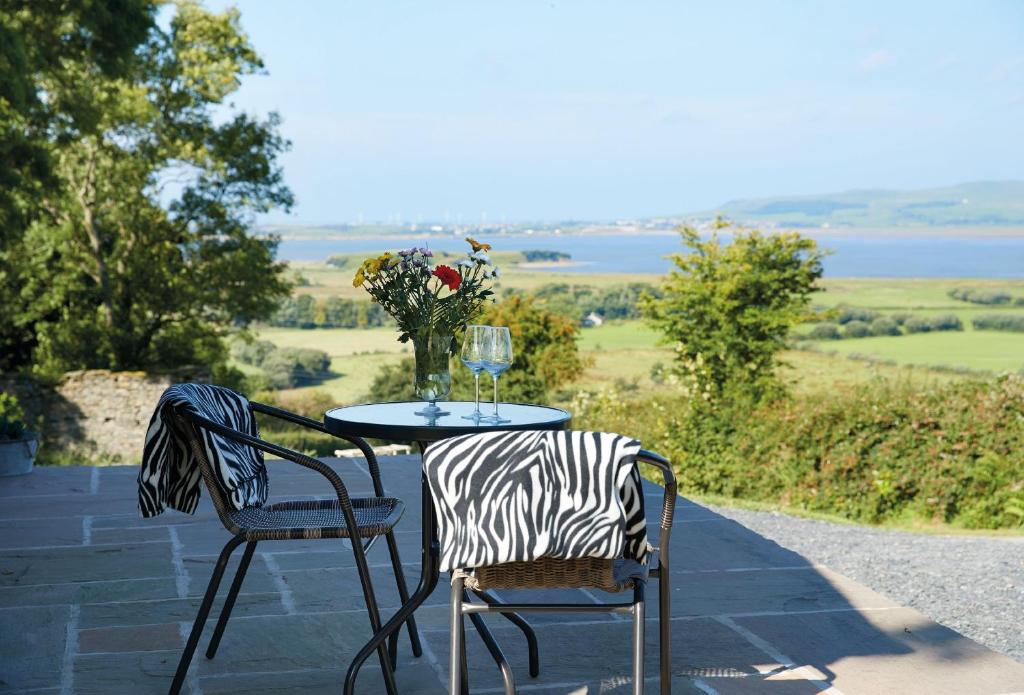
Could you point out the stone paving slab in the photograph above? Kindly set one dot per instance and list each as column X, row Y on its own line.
column 95, row 599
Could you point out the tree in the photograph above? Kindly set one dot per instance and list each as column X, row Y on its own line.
column 729, row 307
column 545, row 352
column 37, row 42
column 142, row 257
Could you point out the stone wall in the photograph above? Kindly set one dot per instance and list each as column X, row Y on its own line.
column 97, row 415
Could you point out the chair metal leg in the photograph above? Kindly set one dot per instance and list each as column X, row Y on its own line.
column 229, row 602
column 204, row 612
column 403, row 593
column 532, row 646
column 492, row 646
column 464, row 662
column 665, row 630
column 456, row 638
column 638, row 639
column 374, row 613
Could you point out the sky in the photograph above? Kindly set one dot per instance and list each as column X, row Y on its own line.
column 526, row 111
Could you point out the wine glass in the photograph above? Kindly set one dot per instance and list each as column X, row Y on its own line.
column 498, row 358
column 474, row 350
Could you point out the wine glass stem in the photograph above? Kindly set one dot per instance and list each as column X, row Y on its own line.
column 495, row 377
column 476, row 376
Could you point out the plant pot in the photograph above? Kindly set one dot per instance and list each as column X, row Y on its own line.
column 17, row 455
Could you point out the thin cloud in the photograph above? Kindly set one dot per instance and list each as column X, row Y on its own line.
column 877, row 60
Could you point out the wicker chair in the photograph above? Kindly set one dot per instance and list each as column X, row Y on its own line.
column 574, row 573
column 358, row 519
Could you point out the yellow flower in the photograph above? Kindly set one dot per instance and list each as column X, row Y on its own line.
column 372, row 266
column 359, row 279
column 477, row 246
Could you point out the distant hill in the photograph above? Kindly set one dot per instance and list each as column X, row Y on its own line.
column 982, row 203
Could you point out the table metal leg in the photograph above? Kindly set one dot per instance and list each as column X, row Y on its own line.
column 429, row 576
column 428, row 582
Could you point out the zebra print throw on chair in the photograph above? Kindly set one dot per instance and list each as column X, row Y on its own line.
column 170, row 474
column 517, row 496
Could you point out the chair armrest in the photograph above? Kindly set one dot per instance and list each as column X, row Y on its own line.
column 362, row 444
column 668, row 505
column 344, row 500
column 288, row 416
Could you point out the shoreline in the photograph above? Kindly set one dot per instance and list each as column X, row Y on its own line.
column 949, row 232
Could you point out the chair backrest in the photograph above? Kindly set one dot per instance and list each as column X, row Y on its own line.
column 191, row 431
column 504, row 497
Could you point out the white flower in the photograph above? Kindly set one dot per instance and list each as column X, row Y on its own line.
column 464, row 263
column 480, row 257
column 495, row 273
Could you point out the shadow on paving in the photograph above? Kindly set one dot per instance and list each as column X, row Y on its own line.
column 94, row 599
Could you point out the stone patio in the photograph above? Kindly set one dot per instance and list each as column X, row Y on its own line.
column 95, row 599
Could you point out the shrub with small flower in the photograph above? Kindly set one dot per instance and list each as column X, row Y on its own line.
column 421, row 296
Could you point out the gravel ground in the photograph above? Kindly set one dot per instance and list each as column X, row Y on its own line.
column 972, row 584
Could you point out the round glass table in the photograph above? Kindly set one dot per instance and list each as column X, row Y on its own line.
column 398, row 422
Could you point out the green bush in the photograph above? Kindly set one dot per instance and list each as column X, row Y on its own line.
column 729, row 308
column 856, row 329
column 252, row 351
column 901, row 317
column 875, row 452
column 825, row 331
column 884, row 325
column 980, row 296
column 856, row 313
column 292, row 367
column 999, row 322
column 939, row 322
column 12, row 418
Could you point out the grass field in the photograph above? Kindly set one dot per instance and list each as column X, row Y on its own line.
column 623, row 354
column 903, row 294
column 620, row 354
column 992, row 351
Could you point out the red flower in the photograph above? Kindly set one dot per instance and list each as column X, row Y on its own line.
column 448, row 276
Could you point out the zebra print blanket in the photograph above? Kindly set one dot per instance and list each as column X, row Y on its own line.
column 170, row 475
column 517, row 496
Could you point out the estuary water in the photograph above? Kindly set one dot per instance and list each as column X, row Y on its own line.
column 850, row 255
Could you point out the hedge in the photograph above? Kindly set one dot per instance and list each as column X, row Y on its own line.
column 980, row 296
column 999, row 322
column 876, row 452
column 938, row 322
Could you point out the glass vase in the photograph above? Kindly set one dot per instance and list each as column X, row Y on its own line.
column 433, row 380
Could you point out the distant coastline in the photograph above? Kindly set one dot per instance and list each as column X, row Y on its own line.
column 902, row 232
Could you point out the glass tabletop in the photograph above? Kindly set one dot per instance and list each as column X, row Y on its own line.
column 398, row 421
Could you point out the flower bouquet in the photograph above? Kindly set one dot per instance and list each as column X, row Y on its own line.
column 430, row 304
